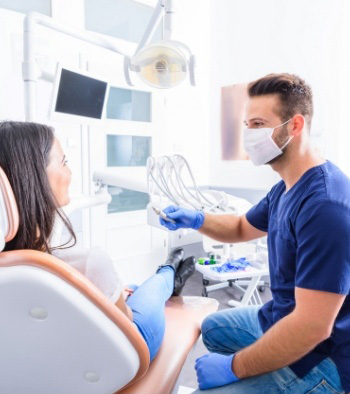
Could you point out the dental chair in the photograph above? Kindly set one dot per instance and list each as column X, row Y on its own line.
column 60, row 335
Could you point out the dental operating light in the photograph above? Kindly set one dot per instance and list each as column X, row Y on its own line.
column 162, row 65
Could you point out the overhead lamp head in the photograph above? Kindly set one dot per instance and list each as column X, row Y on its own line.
column 163, row 65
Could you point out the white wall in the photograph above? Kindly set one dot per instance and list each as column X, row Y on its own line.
column 344, row 76
column 187, row 117
column 253, row 38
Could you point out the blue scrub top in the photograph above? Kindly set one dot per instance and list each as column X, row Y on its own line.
column 309, row 246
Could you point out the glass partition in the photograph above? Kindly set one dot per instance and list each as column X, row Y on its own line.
column 126, row 104
column 42, row 6
column 125, row 200
column 127, row 151
column 125, row 19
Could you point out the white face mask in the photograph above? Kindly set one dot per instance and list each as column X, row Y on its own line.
column 260, row 146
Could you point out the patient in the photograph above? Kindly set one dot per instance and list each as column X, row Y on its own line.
column 34, row 162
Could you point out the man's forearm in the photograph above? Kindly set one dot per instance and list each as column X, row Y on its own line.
column 284, row 343
column 223, row 228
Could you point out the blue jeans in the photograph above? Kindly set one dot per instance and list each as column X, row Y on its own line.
column 147, row 304
column 230, row 330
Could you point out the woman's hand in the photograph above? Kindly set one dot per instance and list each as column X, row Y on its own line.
column 127, row 293
column 121, row 304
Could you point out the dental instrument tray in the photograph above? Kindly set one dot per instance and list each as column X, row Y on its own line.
column 247, row 281
column 213, row 272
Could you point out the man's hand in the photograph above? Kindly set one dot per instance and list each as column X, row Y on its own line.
column 214, row 370
column 184, row 218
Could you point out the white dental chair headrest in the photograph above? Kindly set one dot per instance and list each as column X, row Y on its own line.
column 9, row 217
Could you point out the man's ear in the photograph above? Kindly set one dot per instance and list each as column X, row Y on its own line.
column 297, row 124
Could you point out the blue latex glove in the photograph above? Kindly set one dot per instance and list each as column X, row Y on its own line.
column 184, row 218
column 214, row 370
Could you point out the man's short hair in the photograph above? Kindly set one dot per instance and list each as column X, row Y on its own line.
column 294, row 93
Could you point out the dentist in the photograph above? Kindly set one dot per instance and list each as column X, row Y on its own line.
column 300, row 340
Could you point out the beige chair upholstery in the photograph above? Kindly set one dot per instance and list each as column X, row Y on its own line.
column 8, row 210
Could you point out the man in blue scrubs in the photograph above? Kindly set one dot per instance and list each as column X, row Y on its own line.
column 300, row 340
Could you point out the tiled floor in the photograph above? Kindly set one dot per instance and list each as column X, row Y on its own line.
column 194, row 287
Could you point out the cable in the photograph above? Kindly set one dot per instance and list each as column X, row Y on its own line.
column 170, row 197
column 177, row 178
column 160, row 171
column 174, row 189
column 198, row 192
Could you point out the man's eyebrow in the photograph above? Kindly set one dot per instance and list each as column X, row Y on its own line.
column 253, row 119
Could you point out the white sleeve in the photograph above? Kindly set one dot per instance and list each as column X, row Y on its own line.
column 97, row 266
column 75, row 256
column 101, row 271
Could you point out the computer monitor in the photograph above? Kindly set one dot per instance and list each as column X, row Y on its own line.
column 78, row 96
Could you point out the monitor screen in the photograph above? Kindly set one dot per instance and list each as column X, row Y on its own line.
column 80, row 95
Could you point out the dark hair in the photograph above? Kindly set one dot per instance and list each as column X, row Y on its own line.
column 294, row 93
column 24, row 155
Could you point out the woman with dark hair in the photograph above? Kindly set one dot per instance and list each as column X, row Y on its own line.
column 34, row 162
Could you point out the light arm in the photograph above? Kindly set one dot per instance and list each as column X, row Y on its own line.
column 152, row 25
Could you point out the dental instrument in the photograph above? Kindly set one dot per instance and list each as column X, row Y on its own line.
column 163, row 215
